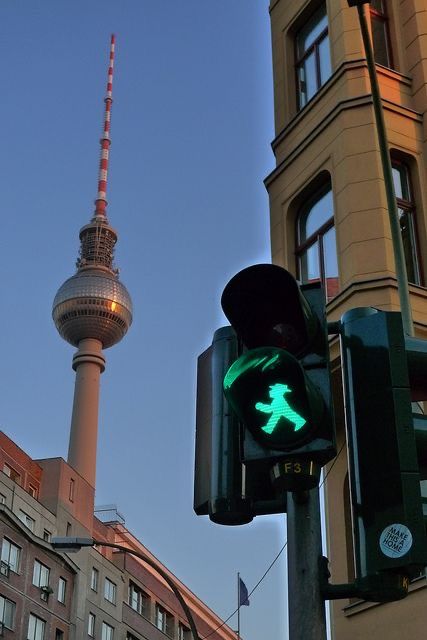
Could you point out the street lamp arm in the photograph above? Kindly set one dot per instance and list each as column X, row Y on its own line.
column 73, row 544
column 162, row 573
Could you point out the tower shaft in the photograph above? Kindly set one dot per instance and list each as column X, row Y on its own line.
column 88, row 363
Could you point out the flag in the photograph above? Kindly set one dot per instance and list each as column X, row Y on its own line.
column 243, row 594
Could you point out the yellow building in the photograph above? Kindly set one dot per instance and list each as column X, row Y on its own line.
column 328, row 208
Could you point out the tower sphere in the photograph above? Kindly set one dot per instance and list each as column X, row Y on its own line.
column 92, row 304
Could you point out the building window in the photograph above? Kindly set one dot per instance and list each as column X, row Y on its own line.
column 94, row 578
column 7, row 612
column 12, row 473
column 184, row 632
column 406, row 210
column 40, row 574
column 316, row 250
column 2, row 498
column 59, row 634
column 10, row 555
column 380, row 33
column 313, row 58
column 36, row 627
column 164, row 620
column 110, row 591
column 62, row 587
column 138, row 600
column 107, row 632
column 68, row 530
column 32, row 490
column 91, row 625
column 46, row 535
column 29, row 522
column 71, row 490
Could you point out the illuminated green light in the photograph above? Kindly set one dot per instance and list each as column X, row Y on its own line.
column 279, row 408
column 246, row 364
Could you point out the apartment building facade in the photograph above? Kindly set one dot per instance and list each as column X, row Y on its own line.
column 98, row 593
column 328, row 210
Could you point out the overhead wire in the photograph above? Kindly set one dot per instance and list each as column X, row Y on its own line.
column 277, row 556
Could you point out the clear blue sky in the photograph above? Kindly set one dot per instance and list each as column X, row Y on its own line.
column 192, row 122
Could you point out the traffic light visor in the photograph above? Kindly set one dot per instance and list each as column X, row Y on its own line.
column 265, row 306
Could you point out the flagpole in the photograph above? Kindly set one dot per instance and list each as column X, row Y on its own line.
column 238, row 606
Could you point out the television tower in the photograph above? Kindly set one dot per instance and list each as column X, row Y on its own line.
column 92, row 310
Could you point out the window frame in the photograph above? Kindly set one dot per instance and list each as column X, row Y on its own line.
column 94, row 579
column 382, row 17
column 184, row 633
column 12, row 547
column 7, row 601
column 316, row 237
column 140, row 597
column 27, row 520
column 165, row 618
column 410, row 208
column 299, row 60
column 91, row 621
column 40, row 570
column 110, row 588
column 107, row 631
column 36, row 635
column 62, row 590
column 33, row 491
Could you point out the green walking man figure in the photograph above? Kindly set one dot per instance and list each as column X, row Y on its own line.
column 279, row 408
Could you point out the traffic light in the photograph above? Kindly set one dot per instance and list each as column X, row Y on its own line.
column 384, row 468
column 279, row 387
column 223, row 488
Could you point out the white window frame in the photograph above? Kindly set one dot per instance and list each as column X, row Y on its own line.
column 7, row 612
column 11, row 554
column 62, row 589
column 33, row 491
column 91, row 625
column 110, row 591
column 41, row 574
column 94, row 579
column 28, row 521
column 36, row 628
column 107, row 632
column 138, row 599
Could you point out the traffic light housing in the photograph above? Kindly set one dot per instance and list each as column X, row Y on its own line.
column 224, row 489
column 280, row 386
column 384, row 471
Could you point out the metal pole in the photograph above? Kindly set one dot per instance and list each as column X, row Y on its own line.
column 306, row 607
column 238, row 606
column 396, row 236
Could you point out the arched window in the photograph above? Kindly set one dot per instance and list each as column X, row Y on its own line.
column 406, row 209
column 316, row 250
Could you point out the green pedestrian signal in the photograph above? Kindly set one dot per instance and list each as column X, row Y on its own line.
column 268, row 390
column 279, row 408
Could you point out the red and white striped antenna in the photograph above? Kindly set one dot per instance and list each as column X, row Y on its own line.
column 101, row 199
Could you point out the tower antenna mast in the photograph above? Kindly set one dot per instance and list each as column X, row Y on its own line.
column 101, row 198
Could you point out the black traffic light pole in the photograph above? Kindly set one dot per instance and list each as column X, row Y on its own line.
column 306, row 606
